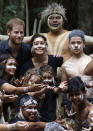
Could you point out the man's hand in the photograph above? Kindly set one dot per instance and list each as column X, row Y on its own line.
column 9, row 98
column 18, row 82
column 22, row 126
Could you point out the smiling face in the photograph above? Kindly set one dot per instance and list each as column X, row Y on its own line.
column 16, row 35
column 77, row 97
column 76, row 45
column 10, row 66
column 55, row 22
column 39, row 46
column 30, row 112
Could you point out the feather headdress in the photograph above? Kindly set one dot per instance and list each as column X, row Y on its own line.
column 52, row 9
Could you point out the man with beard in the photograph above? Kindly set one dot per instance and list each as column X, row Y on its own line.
column 14, row 45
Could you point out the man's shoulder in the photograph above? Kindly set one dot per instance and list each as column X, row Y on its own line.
column 88, row 57
column 4, row 46
column 25, row 46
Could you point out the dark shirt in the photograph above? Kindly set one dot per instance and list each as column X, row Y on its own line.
column 52, row 61
column 48, row 110
column 22, row 57
column 2, row 81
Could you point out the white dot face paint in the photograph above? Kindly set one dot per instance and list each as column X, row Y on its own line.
column 79, row 47
column 48, row 81
column 55, row 22
column 81, row 97
column 31, row 110
column 39, row 45
column 10, row 66
column 76, row 43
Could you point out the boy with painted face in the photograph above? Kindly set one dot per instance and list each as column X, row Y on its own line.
column 76, row 65
column 48, row 109
column 80, row 105
column 79, row 60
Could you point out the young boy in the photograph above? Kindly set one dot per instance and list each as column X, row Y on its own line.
column 48, row 110
column 80, row 106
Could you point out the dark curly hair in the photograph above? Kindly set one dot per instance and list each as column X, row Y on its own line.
column 76, row 84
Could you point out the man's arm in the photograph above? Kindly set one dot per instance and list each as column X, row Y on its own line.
column 8, row 88
column 3, row 37
column 36, row 126
column 27, row 39
column 62, row 87
column 89, row 40
column 89, row 69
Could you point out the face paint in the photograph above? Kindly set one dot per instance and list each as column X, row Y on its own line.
column 31, row 110
column 11, row 67
column 39, row 45
column 56, row 28
column 81, row 97
column 91, row 118
column 55, row 24
column 48, row 81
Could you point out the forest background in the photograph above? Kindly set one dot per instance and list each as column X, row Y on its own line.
column 79, row 15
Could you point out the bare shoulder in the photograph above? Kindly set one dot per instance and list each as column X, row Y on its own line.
column 89, row 107
column 88, row 57
column 89, row 67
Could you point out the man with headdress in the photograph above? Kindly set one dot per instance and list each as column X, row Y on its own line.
column 30, row 116
column 57, row 37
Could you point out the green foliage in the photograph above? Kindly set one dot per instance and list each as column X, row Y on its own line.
column 9, row 12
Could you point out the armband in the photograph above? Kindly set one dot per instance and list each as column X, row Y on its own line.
column 26, row 89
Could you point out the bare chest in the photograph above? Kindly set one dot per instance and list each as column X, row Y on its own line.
column 75, row 68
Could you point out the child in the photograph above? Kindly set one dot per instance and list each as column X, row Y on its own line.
column 80, row 105
column 48, row 110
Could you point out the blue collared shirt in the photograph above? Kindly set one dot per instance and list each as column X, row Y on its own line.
column 24, row 54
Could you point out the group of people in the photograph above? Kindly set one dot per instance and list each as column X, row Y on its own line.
column 46, row 85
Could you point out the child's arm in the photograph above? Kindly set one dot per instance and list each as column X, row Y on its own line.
column 62, row 87
column 37, row 93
